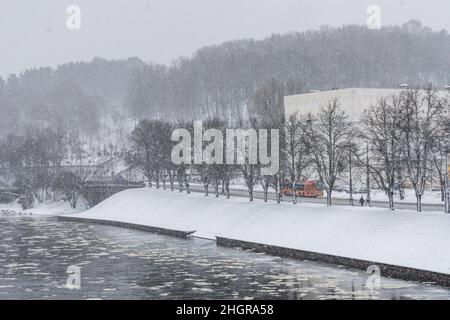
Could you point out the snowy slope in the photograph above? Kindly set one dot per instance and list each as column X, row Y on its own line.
column 403, row 238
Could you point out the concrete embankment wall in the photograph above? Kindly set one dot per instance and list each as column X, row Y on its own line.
column 163, row 231
column 386, row 270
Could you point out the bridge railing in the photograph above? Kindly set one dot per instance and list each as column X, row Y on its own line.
column 111, row 183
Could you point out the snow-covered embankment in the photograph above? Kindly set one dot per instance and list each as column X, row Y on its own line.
column 402, row 238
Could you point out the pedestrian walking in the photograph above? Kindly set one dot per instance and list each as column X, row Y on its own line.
column 362, row 201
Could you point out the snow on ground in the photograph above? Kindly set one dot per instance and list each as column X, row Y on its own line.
column 41, row 209
column 404, row 237
column 379, row 195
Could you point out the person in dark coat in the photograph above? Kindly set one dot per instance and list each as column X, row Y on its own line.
column 362, row 201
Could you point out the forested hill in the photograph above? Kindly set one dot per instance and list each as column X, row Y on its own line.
column 224, row 79
column 73, row 95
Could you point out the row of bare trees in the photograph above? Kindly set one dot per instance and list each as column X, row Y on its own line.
column 408, row 135
column 399, row 140
column 33, row 162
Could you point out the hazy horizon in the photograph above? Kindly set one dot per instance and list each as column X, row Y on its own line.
column 35, row 34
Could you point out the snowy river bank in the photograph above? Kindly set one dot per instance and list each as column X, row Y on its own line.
column 403, row 238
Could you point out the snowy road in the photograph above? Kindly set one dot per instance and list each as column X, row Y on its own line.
column 336, row 201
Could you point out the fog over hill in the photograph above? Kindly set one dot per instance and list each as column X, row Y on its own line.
column 223, row 80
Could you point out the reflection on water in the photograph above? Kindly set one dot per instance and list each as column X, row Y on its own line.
column 119, row 263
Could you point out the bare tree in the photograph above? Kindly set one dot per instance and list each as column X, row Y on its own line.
column 267, row 103
column 440, row 142
column 250, row 174
column 297, row 151
column 151, row 146
column 381, row 131
column 328, row 136
column 250, row 169
column 419, row 114
column 141, row 157
column 211, row 172
column 71, row 185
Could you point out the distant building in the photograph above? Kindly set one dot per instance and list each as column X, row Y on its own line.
column 353, row 100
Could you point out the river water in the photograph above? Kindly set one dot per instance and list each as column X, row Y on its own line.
column 117, row 263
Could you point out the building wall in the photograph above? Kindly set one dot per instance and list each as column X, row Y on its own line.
column 353, row 100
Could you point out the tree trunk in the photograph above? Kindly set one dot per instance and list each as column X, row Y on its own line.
column 172, row 187
column 277, row 193
column 250, row 195
column 157, row 181
column 73, row 201
column 391, row 201
column 294, row 194
column 227, row 189
column 216, row 189
column 188, row 190
column 419, row 203
column 329, row 203
column 265, row 193
column 280, row 195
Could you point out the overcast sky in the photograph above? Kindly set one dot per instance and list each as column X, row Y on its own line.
column 34, row 33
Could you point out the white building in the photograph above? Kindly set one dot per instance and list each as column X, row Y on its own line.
column 353, row 100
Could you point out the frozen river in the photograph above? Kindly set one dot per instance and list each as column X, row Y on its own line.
column 116, row 263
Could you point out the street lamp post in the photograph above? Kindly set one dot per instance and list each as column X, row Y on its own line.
column 367, row 178
column 447, row 185
column 350, row 200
